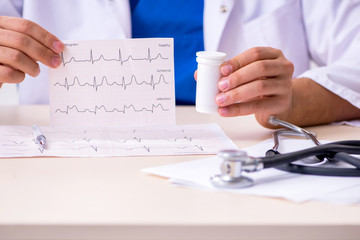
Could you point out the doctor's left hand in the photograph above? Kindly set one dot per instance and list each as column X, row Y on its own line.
column 257, row 81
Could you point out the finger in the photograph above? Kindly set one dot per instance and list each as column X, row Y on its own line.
column 30, row 47
column 33, row 30
column 254, row 89
column 195, row 75
column 226, row 69
column 250, row 72
column 10, row 75
column 19, row 61
column 247, row 57
column 270, row 105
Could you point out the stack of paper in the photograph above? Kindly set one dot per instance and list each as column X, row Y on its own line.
column 19, row 141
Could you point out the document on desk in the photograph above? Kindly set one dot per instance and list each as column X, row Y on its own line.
column 269, row 182
column 19, row 141
column 114, row 83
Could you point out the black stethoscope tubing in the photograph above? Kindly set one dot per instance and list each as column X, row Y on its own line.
column 335, row 151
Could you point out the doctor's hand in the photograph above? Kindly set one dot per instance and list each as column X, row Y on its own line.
column 22, row 44
column 257, row 81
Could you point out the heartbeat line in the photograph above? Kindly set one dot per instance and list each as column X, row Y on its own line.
column 119, row 59
column 139, row 139
column 88, row 140
column 104, row 81
column 148, row 149
column 124, row 109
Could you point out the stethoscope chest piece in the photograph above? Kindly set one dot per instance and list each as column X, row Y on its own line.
column 224, row 181
column 231, row 169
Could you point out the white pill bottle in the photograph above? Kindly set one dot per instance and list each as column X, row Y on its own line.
column 208, row 75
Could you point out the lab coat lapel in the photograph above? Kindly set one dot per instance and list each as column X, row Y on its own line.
column 216, row 15
column 123, row 13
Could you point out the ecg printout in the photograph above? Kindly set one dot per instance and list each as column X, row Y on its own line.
column 18, row 141
column 114, row 83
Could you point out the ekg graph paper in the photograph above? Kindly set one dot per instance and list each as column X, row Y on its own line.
column 114, row 83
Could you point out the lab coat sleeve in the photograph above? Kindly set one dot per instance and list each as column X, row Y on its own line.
column 333, row 33
column 11, row 8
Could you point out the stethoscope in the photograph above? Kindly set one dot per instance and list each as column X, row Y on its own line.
column 313, row 159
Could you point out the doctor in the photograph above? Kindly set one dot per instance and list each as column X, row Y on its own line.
column 269, row 44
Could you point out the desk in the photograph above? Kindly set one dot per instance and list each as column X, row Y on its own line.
column 109, row 198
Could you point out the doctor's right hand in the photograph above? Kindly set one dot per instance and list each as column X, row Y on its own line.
column 257, row 81
column 22, row 44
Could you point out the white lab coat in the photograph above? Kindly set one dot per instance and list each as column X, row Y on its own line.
column 325, row 32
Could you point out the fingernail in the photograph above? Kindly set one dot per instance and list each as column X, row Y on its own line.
column 220, row 98
column 56, row 61
column 226, row 69
column 58, row 46
column 223, row 111
column 223, row 84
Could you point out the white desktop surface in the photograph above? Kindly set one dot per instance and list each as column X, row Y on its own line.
column 109, row 198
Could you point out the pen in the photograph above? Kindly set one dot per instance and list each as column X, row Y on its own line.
column 39, row 136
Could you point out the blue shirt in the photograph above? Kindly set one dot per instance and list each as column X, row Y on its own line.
column 181, row 20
